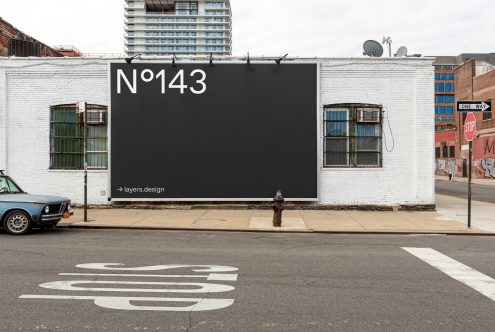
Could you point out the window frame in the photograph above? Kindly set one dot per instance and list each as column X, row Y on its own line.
column 72, row 142
column 352, row 146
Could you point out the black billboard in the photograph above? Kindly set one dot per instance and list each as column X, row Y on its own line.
column 226, row 131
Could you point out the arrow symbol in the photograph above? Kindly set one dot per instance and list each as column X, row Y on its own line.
column 120, row 189
column 484, row 106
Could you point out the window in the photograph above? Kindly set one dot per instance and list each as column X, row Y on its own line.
column 445, row 150
column 487, row 115
column 186, row 8
column 439, row 98
column 442, row 109
column 67, row 137
column 444, row 76
column 436, row 109
column 451, row 77
column 352, row 135
column 448, row 87
column 437, row 152
column 450, row 110
column 7, row 186
column 437, row 76
column 452, row 151
column 440, row 87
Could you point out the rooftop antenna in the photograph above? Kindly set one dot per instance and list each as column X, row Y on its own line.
column 388, row 42
column 401, row 52
column 248, row 59
column 372, row 49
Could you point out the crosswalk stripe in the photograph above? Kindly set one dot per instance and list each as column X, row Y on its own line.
column 456, row 270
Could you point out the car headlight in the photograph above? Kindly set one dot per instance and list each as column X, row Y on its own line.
column 69, row 207
column 47, row 209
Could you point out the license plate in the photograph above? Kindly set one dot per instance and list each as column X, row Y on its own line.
column 66, row 214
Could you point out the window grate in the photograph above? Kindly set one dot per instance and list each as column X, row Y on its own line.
column 353, row 135
column 67, row 137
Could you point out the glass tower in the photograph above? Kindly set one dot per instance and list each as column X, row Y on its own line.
column 182, row 28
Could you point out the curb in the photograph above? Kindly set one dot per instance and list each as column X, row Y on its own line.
column 295, row 231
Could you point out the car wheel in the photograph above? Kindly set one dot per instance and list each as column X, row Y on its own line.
column 17, row 223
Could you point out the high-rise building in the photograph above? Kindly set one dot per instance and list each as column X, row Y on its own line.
column 178, row 27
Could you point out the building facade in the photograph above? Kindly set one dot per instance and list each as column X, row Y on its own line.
column 178, row 27
column 475, row 81
column 445, row 87
column 388, row 160
column 14, row 42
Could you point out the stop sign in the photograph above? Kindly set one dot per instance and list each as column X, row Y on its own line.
column 470, row 127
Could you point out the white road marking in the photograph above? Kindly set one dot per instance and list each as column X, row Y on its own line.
column 124, row 303
column 214, row 273
column 210, row 277
column 195, row 268
column 456, row 270
column 203, row 287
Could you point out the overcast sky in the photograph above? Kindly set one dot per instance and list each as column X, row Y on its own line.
column 275, row 27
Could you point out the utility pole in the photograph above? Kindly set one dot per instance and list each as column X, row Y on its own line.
column 81, row 107
column 85, row 163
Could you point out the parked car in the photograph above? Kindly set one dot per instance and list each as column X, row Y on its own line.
column 20, row 211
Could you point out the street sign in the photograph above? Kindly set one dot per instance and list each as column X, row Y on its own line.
column 470, row 127
column 81, row 107
column 474, row 106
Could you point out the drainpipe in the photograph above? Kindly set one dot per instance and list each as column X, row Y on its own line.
column 6, row 121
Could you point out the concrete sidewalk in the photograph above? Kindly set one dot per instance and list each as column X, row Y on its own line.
column 483, row 214
column 261, row 220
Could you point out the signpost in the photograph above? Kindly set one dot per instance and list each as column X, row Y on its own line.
column 470, row 133
column 81, row 108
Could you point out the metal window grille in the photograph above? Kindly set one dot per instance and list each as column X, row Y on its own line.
column 352, row 135
column 67, row 137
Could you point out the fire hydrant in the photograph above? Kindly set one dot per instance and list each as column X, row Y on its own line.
column 278, row 207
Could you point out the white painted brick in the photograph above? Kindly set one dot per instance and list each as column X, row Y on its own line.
column 403, row 86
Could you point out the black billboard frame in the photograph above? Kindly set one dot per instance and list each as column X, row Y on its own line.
column 318, row 115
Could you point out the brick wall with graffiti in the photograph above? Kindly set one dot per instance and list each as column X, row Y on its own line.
column 484, row 157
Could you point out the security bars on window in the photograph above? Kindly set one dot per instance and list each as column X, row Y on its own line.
column 353, row 135
column 67, row 137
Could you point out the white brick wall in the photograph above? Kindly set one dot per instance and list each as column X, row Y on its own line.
column 33, row 86
column 28, row 87
column 404, row 87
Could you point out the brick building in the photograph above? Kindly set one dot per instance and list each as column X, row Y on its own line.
column 14, row 42
column 476, row 81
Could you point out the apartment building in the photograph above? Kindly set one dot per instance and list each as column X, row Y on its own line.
column 181, row 28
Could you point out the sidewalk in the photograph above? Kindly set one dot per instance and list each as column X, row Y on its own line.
column 483, row 214
column 261, row 220
column 485, row 182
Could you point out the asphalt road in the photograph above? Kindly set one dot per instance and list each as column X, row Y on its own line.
column 285, row 282
column 480, row 193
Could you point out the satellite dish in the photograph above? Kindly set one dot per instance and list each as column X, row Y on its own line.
column 372, row 49
column 401, row 52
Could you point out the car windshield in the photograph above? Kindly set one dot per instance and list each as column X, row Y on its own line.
column 7, row 186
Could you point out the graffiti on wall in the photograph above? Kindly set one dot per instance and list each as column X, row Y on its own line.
column 488, row 165
column 446, row 166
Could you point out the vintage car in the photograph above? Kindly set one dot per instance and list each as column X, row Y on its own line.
column 20, row 211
